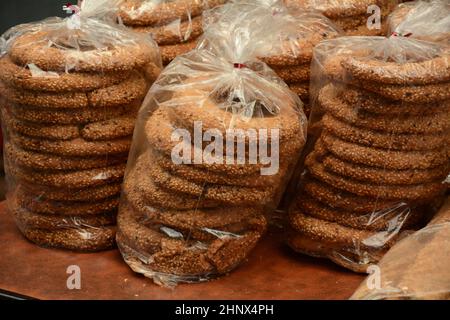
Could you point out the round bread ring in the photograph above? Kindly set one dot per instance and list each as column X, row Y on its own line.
column 170, row 52
column 401, row 142
column 142, row 193
column 176, row 256
column 51, row 222
column 86, row 194
column 373, row 103
column 74, row 148
column 175, row 32
column 42, row 161
column 392, row 192
column 111, row 129
column 337, row 236
column 382, row 175
column 67, row 132
column 293, row 74
column 428, row 124
column 238, row 196
column 85, row 239
column 395, row 217
column 21, row 78
column 302, row 54
column 69, row 117
column 34, row 48
column 68, row 180
column 351, row 22
column 433, row 71
column 59, row 208
column 382, row 158
column 340, row 199
column 200, row 176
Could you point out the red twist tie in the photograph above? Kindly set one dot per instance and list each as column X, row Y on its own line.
column 239, row 65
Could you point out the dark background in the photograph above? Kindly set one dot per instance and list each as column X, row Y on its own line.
column 13, row 12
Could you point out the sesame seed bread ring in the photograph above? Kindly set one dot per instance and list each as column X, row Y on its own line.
column 21, row 78
column 386, row 140
column 51, row 222
column 430, row 71
column 175, row 32
column 199, row 176
column 42, row 161
column 178, row 256
column 336, row 9
column 333, row 234
column 34, row 48
column 77, row 147
column 142, row 192
column 392, row 192
column 373, row 103
column 170, row 52
column 383, row 158
column 84, row 194
column 432, row 123
column 341, row 199
column 301, row 89
column 85, row 239
column 109, row 129
column 293, row 74
column 352, row 22
column 69, row 116
column 370, row 220
column 70, row 179
column 29, row 129
column 238, row 196
column 383, row 175
column 61, row 208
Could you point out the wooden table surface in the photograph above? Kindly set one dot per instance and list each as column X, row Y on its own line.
column 272, row 271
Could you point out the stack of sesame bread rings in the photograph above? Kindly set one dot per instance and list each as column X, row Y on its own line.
column 174, row 24
column 197, row 192
column 69, row 94
column 424, row 20
column 380, row 154
column 352, row 15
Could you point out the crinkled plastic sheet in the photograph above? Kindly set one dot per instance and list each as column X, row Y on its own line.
column 377, row 154
column 69, row 93
column 415, row 268
column 425, row 20
column 189, row 222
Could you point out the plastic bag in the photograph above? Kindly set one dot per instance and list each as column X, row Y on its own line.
column 281, row 37
column 415, row 268
column 356, row 18
column 69, row 93
column 424, row 20
column 378, row 150
column 174, row 25
column 216, row 141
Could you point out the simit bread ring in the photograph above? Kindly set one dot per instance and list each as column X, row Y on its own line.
column 109, row 129
column 170, row 52
column 293, row 74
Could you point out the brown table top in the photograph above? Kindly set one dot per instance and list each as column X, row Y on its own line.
column 272, row 271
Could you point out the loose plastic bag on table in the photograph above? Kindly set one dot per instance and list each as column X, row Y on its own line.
column 424, row 20
column 217, row 138
column 378, row 147
column 69, row 92
column 418, row 267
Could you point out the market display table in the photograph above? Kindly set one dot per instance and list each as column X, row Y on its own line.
column 272, row 271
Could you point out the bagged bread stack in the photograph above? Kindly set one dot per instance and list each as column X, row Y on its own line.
column 355, row 17
column 217, row 138
column 380, row 134
column 424, row 20
column 174, row 25
column 70, row 90
column 283, row 38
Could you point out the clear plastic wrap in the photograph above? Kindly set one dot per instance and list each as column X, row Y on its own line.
column 355, row 17
column 174, row 25
column 69, row 93
column 424, row 20
column 216, row 141
column 418, row 267
column 378, row 147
